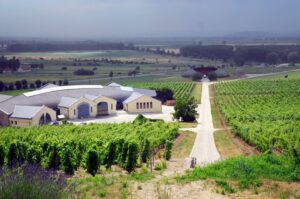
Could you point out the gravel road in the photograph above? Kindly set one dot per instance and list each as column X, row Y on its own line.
column 204, row 149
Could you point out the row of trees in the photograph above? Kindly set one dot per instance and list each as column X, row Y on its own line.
column 271, row 54
column 24, row 84
column 12, row 64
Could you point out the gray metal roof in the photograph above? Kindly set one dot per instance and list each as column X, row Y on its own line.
column 91, row 97
column 25, row 112
column 53, row 97
column 67, row 102
column 133, row 97
column 4, row 97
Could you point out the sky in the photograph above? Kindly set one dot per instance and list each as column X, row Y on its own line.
column 146, row 18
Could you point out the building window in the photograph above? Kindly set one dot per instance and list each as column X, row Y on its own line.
column 16, row 122
column 151, row 105
column 144, row 105
column 74, row 112
column 141, row 105
column 137, row 105
column 147, row 105
column 112, row 107
column 12, row 122
column 91, row 109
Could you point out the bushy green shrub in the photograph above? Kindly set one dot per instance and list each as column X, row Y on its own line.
column 92, row 161
column 2, row 154
column 16, row 153
column 132, row 156
column 68, row 160
column 110, row 155
column 168, row 150
column 146, row 151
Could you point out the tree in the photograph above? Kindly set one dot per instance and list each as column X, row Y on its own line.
column 293, row 58
column 2, row 86
column 11, row 86
column 24, row 84
column 212, row 76
column 146, row 151
column 65, row 82
column 197, row 76
column 38, row 83
column 32, row 85
column 92, row 161
column 185, row 109
column 164, row 94
column 272, row 58
column 18, row 85
column 111, row 74
column 168, row 150
column 68, row 160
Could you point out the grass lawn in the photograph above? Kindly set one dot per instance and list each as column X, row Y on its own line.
column 196, row 93
column 225, row 145
column 15, row 92
column 188, row 124
column 183, row 144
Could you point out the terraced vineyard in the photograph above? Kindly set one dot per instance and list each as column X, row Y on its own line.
column 180, row 89
column 265, row 113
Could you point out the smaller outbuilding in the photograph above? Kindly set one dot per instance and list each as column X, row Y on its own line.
column 139, row 103
column 31, row 115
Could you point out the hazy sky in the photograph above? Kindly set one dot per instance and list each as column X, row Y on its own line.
column 146, row 18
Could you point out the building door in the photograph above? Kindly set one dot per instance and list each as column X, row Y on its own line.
column 102, row 108
column 83, row 111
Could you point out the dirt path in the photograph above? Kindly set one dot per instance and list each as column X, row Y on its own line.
column 204, row 149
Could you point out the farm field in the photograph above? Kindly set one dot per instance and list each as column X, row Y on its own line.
column 120, row 144
column 180, row 89
column 264, row 113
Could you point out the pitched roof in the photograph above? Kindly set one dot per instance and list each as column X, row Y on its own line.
column 4, row 97
column 133, row 97
column 91, row 97
column 67, row 102
column 25, row 112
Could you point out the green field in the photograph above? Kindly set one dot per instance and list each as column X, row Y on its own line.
column 45, row 144
column 182, row 90
column 265, row 113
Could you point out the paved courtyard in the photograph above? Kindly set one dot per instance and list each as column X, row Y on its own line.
column 122, row 116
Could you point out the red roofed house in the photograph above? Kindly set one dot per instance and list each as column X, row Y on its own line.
column 24, row 68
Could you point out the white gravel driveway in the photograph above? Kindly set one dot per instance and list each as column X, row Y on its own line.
column 204, row 149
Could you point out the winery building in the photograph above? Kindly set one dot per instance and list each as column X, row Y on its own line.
column 42, row 106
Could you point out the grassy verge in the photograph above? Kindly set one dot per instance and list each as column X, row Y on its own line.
column 15, row 92
column 196, row 93
column 214, row 109
column 225, row 144
column 248, row 171
column 188, row 124
column 183, row 144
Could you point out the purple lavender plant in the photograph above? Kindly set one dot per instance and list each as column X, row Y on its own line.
column 32, row 182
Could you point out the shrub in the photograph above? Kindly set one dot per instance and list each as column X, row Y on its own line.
column 146, row 151
column 16, row 153
column 110, row 154
column 68, row 160
column 83, row 72
column 132, row 156
column 34, row 154
column 168, row 150
column 30, row 181
column 92, row 161
column 197, row 76
column 2, row 154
